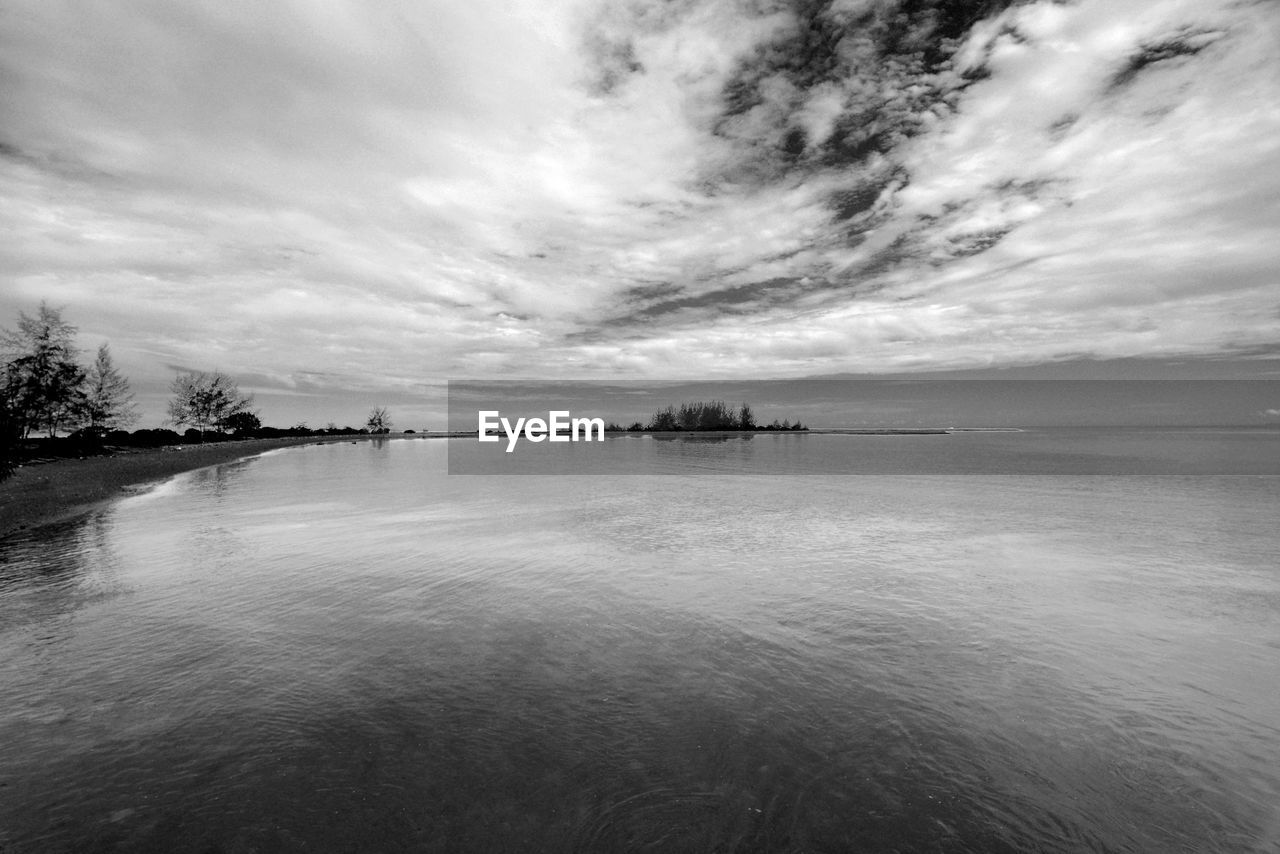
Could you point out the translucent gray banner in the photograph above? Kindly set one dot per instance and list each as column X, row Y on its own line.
column 871, row 427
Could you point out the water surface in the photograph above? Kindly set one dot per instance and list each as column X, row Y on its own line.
column 343, row 648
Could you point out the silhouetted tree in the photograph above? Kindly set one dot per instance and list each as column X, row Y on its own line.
column 709, row 415
column 665, row 419
column 43, row 387
column 698, row 415
column 205, row 400
column 108, row 404
column 379, row 420
column 10, row 434
column 244, row 423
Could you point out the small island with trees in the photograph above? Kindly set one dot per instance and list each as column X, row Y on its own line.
column 86, row 454
column 706, row 416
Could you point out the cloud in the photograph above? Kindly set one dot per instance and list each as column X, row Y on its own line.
column 382, row 196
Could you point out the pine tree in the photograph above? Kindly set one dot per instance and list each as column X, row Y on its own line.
column 108, row 402
column 42, row 384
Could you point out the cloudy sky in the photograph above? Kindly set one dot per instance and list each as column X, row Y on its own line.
column 345, row 203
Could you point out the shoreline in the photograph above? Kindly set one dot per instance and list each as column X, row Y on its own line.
column 45, row 493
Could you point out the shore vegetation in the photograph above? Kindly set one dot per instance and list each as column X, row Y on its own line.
column 379, row 420
column 44, row 388
column 705, row 416
column 108, row 403
column 206, row 400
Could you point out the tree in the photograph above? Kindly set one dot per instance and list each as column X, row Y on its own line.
column 206, row 400
column 379, row 420
column 746, row 419
column 665, row 419
column 42, row 384
column 10, row 434
column 697, row 415
column 108, row 403
column 243, row 423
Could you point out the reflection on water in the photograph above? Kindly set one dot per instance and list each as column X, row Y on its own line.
column 1063, row 451
column 76, row 565
column 340, row 648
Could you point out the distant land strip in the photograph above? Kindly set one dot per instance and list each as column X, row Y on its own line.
column 45, row 492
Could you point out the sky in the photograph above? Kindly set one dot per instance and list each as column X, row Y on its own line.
column 345, row 204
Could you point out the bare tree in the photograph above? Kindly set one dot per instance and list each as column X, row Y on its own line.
column 206, row 400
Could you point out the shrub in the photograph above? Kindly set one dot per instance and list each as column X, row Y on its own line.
column 154, row 438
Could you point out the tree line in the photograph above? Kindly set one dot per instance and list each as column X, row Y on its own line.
column 45, row 388
column 698, row 416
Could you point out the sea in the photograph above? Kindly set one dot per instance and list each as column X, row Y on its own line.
column 1014, row 642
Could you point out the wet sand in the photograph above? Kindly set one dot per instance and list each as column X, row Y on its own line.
column 41, row 493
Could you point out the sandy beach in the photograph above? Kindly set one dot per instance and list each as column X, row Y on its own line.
column 45, row 492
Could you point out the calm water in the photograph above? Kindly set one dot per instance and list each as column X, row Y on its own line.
column 340, row 648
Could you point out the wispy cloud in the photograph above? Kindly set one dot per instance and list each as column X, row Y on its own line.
column 391, row 194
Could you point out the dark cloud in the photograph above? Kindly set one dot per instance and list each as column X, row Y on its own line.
column 653, row 291
column 856, row 200
column 950, row 235
column 1188, row 42
column 885, row 70
column 738, row 299
column 838, row 93
column 903, row 248
column 973, row 243
column 1061, row 126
